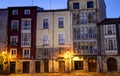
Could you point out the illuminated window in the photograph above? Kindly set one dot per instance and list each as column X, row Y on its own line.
column 13, row 53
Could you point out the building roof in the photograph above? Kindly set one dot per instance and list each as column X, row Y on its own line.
column 53, row 10
column 20, row 7
column 110, row 21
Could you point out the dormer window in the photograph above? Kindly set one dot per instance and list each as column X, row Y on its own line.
column 26, row 12
column 15, row 12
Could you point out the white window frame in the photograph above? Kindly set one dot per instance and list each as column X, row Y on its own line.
column 59, row 26
column 47, row 21
column 23, row 26
column 23, row 42
column 14, row 22
column 27, row 12
column 61, row 43
column 47, row 41
column 27, row 56
column 15, row 53
column 14, row 12
column 11, row 37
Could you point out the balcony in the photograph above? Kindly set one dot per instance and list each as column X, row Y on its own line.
column 86, row 52
column 26, row 56
column 46, row 42
column 79, row 22
column 13, row 44
column 111, row 52
column 61, row 41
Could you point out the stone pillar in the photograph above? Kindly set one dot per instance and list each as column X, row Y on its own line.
column 118, row 64
column 42, row 66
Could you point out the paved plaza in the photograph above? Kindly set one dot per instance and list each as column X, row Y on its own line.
column 66, row 74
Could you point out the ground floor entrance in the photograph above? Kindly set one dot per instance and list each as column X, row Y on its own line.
column 78, row 65
column 26, row 66
column 37, row 66
column 46, row 65
column 12, row 67
column 92, row 65
column 61, row 66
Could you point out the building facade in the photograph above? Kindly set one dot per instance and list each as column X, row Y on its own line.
column 84, row 17
column 109, row 40
column 53, row 40
column 62, row 40
column 21, row 51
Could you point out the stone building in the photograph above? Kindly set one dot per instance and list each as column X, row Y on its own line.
column 84, row 17
column 109, row 41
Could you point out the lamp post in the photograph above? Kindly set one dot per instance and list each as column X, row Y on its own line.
column 68, row 54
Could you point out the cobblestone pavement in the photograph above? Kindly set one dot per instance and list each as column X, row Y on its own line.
column 66, row 74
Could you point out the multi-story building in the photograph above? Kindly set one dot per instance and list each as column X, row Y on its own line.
column 21, row 51
column 3, row 35
column 109, row 41
column 53, row 40
column 84, row 17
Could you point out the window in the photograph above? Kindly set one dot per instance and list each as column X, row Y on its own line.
column 86, row 33
column 14, row 25
column 76, row 5
column 110, row 44
column 26, row 24
column 90, row 32
column 26, row 12
column 15, row 12
column 61, row 39
column 81, row 33
column 13, row 53
column 94, row 32
column 13, row 40
column 90, row 17
column 26, row 39
column 83, row 17
column 90, row 4
column 45, row 23
column 45, row 52
column 26, row 53
column 110, row 30
column 46, row 39
column 61, row 22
